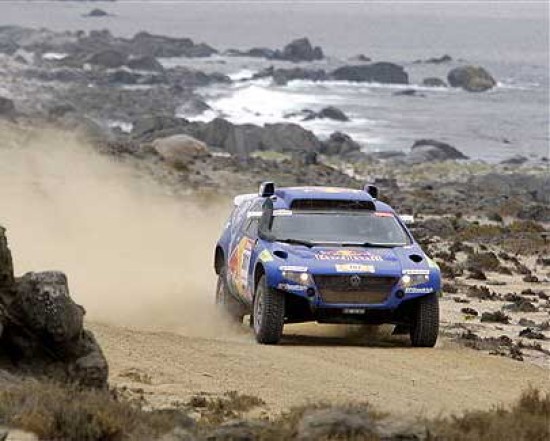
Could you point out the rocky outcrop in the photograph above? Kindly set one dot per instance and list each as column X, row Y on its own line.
column 471, row 78
column 387, row 73
column 297, row 50
column 300, row 50
column 144, row 43
column 431, row 150
column 42, row 327
column 179, row 150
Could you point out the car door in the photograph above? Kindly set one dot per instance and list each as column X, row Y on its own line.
column 242, row 245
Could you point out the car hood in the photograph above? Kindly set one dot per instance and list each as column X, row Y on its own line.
column 323, row 260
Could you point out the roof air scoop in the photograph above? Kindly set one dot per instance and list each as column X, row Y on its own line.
column 267, row 189
column 372, row 190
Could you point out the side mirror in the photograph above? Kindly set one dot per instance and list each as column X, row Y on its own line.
column 267, row 189
column 407, row 219
column 372, row 190
column 266, row 221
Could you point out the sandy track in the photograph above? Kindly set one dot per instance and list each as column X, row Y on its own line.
column 313, row 365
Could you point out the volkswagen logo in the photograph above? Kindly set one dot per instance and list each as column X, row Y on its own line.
column 355, row 281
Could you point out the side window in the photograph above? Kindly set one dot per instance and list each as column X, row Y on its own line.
column 251, row 227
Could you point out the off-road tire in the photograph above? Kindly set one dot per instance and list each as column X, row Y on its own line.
column 225, row 301
column 268, row 314
column 425, row 322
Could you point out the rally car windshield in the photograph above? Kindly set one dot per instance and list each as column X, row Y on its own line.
column 345, row 229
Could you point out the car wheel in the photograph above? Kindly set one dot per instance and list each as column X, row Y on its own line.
column 425, row 322
column 225, row 301
column 269, row 314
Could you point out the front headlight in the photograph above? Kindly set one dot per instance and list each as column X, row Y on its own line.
column 301, row 278
column 409, row 280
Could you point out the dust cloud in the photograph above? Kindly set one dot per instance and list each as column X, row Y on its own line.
column 134, row 255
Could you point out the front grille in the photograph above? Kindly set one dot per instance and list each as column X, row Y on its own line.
column 354, row 288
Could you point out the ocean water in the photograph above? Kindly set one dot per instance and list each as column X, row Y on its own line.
column 510, row 39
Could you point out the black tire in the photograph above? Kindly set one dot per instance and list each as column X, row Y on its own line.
column 225, row 301
column 425, row 322
column 268, row 314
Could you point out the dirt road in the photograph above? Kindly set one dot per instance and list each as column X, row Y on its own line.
column 313, row 364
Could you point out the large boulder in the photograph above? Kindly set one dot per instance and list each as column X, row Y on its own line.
column 108, row 58
column 340, row 144
column 334, row 113
column 179, row 150
column 43, row 303
column 471, row 78
column 426, row 150
column 300, row 50
column 335, row 423
column 287, row 137
column 383, row 72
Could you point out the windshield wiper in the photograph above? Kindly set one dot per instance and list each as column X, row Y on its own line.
column 373, row 245
column 297, row 242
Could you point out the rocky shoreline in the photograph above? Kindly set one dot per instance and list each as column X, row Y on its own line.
column 467, row 210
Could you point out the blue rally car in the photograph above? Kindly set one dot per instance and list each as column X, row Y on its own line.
column 325, row 254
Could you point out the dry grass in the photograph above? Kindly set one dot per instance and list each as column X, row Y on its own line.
column 56, row 412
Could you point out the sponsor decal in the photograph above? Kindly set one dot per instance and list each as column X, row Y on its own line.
column 299, row 269
column 348, row 255
column 416, row 271
column 418, row 290
column 383, row 214
column 239, row 264
column 289, row 287
column 265, row 256
column 354, row 268
column 282, row 212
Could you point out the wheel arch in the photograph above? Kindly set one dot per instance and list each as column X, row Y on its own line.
column 219, row 259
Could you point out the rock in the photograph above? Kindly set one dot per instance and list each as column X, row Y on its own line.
column 334, row 113
column 6, row 268
column 363, row 58
column 144, row 43
column 193, row 106
column 96, row 13
column 283, row 76
column 150, row 127
column 340, row 144
column 387, row 73
column 43, row 303
column 526, row 322
column 469, row 311
column 145, row 62
column 335, row 423
column 438, row 60
column 495, row 317
column 432, row 150
column 123, row 77
column 471, row 78
column 300, row 50
column 515, row 160
column 7, row 107
column 238, row 430
column 433, row 82
column 285, row 137
column 530, row 334
column 88, row 365
column 178, row 150
column 408, row 92
column 107, row 58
